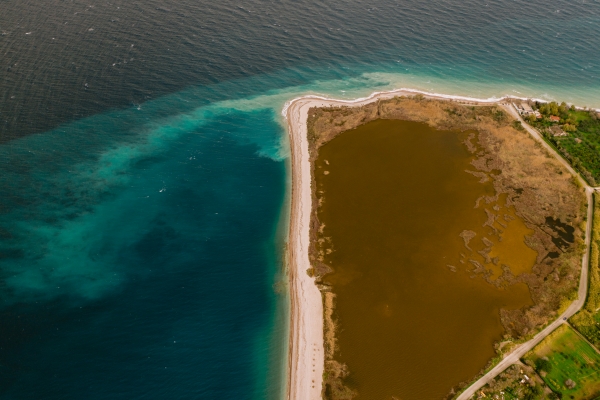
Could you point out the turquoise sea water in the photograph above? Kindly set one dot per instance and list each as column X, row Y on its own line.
column 144, row 204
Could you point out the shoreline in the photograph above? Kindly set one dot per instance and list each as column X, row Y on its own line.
column 306, row 341
column 305, row 351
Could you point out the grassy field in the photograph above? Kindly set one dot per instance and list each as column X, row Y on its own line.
column 568, row 365
column 581, row 146
column 587, row 321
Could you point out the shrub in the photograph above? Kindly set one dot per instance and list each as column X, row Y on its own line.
column 542, row 364
column 518, row 125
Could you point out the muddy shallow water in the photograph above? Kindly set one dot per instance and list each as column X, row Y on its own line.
column 396, row 203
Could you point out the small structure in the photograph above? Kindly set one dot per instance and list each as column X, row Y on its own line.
column 537, row 114
column 518, row 108
column 578, row 140
column 557, row 131
column 523, row 108
column 527, row 108
column 554, row 118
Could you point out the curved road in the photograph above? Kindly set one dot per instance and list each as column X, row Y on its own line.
column 520, row 351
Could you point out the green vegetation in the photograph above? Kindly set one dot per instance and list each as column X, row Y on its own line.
column 587, row 321
column 518, row 125
column 581, row 142
column 517, row 382
column 567, row 364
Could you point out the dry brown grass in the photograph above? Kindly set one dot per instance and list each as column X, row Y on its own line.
column 329, row 324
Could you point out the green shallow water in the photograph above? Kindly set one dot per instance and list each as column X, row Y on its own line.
column 396, row 198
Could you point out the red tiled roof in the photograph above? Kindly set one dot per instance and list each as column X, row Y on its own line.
column 554, row 118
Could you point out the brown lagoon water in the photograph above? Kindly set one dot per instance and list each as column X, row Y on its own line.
column 413, row 322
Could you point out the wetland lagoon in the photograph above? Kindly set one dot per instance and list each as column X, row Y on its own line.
column 405, row 226
column 441, row 234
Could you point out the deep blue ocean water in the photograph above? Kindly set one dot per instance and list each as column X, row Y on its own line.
column 144, row 171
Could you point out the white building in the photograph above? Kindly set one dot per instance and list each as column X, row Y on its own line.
column 524, row 108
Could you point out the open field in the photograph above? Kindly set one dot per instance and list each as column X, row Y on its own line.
column 568, row 364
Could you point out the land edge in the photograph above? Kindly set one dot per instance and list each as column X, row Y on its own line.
column 305, row 378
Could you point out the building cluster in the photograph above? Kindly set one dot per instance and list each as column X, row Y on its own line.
column 557, row 131
column 525, row 109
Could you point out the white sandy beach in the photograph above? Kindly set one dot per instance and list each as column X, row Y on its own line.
column 306, row 352
column 306, row 327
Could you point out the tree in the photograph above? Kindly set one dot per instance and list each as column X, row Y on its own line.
column 571, row 120
column 563, row 108
column 570, row 384
column 543, row 364
column 517, row 125
column 549, row 108
column 498, row 115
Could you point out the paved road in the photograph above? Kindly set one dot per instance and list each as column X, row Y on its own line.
column 519, row 351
